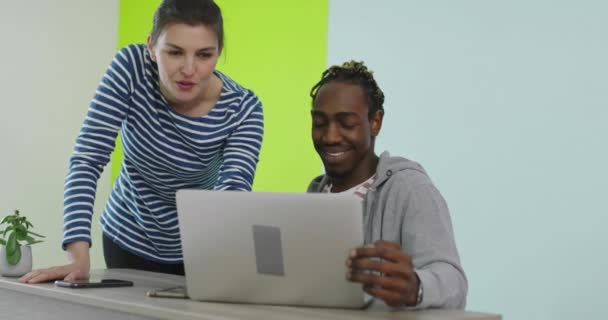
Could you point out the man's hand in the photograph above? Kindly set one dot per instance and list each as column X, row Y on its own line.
column 392, row 277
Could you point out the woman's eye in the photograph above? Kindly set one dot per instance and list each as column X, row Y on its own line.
column 173, row 53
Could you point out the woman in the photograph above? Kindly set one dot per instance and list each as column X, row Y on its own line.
column 183, row 125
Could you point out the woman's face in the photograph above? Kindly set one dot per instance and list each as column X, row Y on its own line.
column 186, row 56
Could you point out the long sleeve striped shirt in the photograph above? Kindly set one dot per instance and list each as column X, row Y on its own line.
column 163, row 151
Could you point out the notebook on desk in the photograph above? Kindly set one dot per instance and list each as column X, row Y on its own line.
column 270, row 248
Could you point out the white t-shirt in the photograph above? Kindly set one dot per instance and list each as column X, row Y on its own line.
column 359, row 190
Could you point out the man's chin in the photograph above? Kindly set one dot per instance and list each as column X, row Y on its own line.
column 334, row 172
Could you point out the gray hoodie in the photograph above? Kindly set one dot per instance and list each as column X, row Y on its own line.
column 404, row 206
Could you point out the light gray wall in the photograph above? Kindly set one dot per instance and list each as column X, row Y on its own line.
column 506, row 104
column 53, row 55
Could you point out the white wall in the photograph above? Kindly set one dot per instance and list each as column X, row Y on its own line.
column 53, row 55
column 506, row 104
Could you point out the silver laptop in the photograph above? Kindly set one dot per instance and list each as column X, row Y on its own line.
column 270, row 248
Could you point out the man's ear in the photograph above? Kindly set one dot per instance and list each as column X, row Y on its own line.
column 151, row 49
column 375, row 122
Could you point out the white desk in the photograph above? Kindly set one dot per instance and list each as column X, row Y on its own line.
column 45, row 301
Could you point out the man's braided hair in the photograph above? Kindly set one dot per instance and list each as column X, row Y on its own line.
column 357, row 73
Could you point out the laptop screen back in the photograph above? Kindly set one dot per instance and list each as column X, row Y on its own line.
column 270, row 248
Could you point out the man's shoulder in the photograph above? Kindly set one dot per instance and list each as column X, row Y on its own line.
column 399, row 171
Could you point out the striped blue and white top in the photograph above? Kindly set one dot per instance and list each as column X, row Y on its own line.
column 163, row 151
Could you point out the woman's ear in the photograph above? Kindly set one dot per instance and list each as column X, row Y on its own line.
column 151, row 49
column 376, row 123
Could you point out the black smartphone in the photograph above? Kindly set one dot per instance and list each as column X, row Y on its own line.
column 105, row 283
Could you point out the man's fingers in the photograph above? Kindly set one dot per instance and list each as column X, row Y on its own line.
column 401, row 270
column 375, row 280
column 370, row 265
column 375, row 251
column 388, row 244
column 391, row 298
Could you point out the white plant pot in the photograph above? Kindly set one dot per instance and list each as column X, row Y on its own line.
column 24, row 266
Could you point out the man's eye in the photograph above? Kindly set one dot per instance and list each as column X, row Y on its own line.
column 318, row 124
column 348, row 124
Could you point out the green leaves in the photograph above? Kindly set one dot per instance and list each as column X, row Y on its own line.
column 35, row 234
column 21, row 232
column 11, row 244
column 15, row 233
column 7, row 230
column 8, row 219
column 31, row 240
column 13, row 250
column 14, row 258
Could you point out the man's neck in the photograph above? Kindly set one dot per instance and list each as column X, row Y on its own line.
column 364, row 171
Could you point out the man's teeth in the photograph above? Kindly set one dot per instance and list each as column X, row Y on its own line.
column 336, row 154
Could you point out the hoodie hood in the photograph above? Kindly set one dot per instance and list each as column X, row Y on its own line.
column 388, row 165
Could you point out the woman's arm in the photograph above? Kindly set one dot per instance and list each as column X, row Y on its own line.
column 94, row 145
column 242, row 148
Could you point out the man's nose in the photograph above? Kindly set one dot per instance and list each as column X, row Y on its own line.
column 332, row 134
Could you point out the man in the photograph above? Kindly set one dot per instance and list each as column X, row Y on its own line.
column 410, row 258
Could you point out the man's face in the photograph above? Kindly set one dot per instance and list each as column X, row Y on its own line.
column 342, row 132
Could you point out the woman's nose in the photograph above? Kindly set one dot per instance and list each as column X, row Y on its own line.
column 188, row 67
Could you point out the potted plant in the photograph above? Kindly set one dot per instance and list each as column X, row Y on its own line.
column 15, row 241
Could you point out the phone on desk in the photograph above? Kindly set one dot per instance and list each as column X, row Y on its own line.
column 178, row 292
column 104, row 283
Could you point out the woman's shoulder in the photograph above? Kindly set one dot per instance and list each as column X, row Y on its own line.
column 133, row 62
column 133, row 53
column 237, row 97
column 232, row 87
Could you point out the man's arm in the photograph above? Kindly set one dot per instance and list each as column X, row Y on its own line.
column 427, row 235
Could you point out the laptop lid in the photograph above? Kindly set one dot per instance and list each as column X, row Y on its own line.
column 270, row 248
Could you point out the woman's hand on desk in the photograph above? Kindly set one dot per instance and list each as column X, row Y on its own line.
column 70, row 272
column 385, row 271
column 78, row 269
